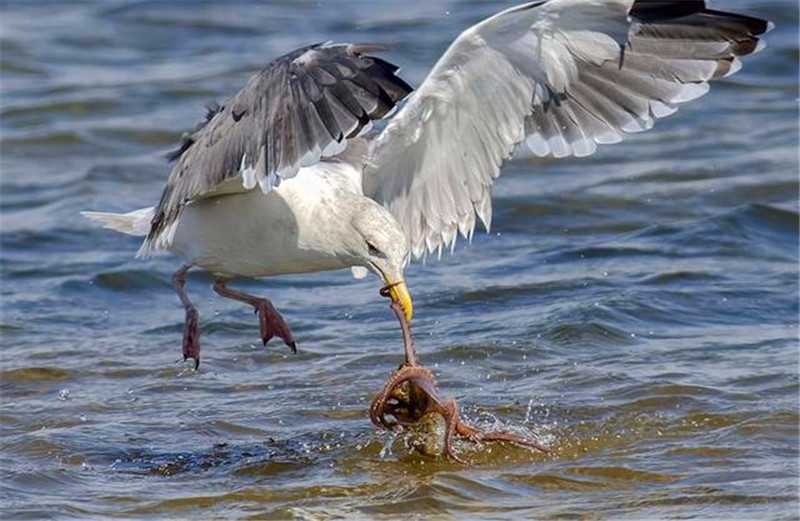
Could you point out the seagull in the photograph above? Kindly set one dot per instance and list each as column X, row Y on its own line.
column 288, row 176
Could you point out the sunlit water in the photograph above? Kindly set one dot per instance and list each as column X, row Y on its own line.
column 636, row 311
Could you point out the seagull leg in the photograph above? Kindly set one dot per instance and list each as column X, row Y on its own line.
column 191, row 333
column 271, row 322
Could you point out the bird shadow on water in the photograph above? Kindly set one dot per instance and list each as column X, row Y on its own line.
column 381, row 455
column 593, row 449
column 375, row 452
column 569, row 436
column 264, row 458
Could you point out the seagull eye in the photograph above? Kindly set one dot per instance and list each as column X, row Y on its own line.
column 373, row 250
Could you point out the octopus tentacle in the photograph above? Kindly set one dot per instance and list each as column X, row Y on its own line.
column 411, row 393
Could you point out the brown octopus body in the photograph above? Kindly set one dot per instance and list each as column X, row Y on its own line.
column 410, row 396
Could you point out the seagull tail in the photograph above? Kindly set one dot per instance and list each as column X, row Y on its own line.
column 135, row 223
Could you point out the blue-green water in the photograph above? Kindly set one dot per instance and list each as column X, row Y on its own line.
column 637, row 311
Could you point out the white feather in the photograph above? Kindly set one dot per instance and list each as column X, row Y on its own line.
column 359, row 272
column 564, row 75
column 135, row 223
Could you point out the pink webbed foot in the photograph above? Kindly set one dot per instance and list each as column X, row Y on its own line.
column 191, row 331
column 272, row 324
column 191, row 337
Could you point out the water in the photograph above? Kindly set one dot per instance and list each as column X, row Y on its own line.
column 636, row 311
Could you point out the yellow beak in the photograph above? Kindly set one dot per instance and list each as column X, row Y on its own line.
column 398, row 291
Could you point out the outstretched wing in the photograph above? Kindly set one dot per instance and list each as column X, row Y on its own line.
column 301, row 107
column 565, row 74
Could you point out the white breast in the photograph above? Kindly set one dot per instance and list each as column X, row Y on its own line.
column 288, row 230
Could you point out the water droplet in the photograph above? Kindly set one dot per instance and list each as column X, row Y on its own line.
column 529, row 411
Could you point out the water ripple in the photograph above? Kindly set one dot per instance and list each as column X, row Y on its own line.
column 635, row 311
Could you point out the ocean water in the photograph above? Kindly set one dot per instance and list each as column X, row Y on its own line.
column 635, row 311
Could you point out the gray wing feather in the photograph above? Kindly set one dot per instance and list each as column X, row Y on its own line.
column 673, row 49
column 563, row 75
column 301, row 107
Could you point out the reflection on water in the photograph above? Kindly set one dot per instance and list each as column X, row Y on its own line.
column 635, row 311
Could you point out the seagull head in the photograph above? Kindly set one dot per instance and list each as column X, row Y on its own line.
column 380, row 245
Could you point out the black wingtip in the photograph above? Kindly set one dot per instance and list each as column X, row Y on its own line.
column 660, row 10
column 653, row 11
column 186, row 142
column 212, row 109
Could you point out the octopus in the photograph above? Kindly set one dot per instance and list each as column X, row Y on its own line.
column 410, row 401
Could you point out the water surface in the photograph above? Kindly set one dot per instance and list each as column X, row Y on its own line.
column 636, row 311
